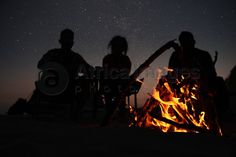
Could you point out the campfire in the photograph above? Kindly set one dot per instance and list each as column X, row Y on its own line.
column 177, row 106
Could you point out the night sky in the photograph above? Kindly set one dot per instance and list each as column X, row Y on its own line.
column 30, row 28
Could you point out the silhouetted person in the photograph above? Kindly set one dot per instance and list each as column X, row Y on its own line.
column 117, row 66
column 231, row 81
column 65, row 56
column 231, row 85
column 74, row 64
column 191, row 62
column 197, row 67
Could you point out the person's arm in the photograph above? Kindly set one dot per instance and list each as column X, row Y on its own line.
column 45, row 59
column 105, row 61
column 174, row 56
column 42, row 61
column 210, row 66
column 84, row 67
column 128, row 65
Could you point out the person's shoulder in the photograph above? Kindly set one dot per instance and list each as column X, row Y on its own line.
column 126, row 58
column 107, row 57
column 174, row 54
column 54, row 51
column 201, row 52
column 204, row 55
column 77, row 56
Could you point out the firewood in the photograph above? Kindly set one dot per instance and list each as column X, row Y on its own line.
column 183, row 126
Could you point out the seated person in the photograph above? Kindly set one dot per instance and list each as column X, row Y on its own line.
column 66, row 67
column 192, row 63
column 197, row 67
column 117, row 66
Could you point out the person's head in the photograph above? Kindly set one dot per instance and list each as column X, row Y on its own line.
column 66, row 39
column 118, row 45
column 186, row 40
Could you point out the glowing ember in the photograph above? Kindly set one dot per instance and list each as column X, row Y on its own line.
column 177, row 107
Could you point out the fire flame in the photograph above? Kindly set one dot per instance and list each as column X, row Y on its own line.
column 177, row 107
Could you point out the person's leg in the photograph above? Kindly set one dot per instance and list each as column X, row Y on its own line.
column 110, row 109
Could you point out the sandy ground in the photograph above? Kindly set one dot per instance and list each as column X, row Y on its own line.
column 49, row 137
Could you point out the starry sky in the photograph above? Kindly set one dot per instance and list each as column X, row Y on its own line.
column 30, row 28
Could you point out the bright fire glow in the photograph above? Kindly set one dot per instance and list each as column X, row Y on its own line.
column 177, row 107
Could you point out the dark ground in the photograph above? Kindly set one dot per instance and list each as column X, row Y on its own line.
column 50, row 136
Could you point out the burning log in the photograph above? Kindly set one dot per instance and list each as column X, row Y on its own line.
column 179, row 110
column 183, row 126
column 148, row 111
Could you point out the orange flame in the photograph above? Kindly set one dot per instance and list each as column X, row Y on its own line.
column 180, row 106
